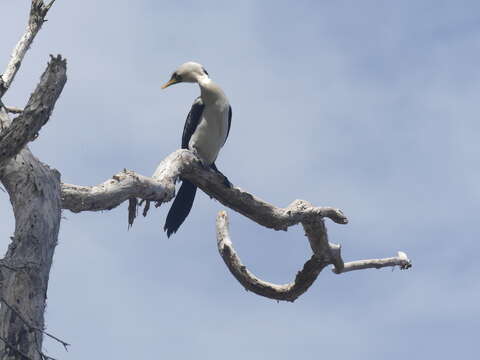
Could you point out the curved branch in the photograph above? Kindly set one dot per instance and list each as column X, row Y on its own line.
column 38, row 11
column 288, row 292
column 26, row 126
column 128, row 185
column 324, row 253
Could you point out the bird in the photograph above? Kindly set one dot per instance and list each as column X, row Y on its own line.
column 205, row 132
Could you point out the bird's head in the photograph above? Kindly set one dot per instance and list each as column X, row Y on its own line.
column 188, row 72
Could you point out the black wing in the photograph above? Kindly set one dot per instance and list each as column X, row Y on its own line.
column 229, row 122
column 192, row 121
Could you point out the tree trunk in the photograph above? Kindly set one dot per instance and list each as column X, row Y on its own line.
column 34, row 190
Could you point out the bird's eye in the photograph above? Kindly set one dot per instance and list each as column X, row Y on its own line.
column 205, row 71
column 176, row 77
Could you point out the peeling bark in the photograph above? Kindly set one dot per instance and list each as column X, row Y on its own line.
column 26, row 126
column 34, row 191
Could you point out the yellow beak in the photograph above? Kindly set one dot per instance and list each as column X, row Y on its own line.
column 169, row 82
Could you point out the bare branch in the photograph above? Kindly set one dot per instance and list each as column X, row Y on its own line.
column 121, row 187
column 161, row 188
column 288, row 292
column 401, row 260
column 324, row 253
column 26, row 126
column 38, row 11
column 31, row 326
column 252, row 207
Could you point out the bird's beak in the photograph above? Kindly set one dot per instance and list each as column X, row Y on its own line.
column 169, row 82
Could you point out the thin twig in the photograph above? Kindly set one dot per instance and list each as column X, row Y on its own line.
column 43, row 356
column 25, row 356
column 29, row 324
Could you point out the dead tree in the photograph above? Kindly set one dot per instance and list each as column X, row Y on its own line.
column 38, row 196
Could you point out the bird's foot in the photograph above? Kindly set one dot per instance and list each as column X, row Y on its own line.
column 226, row 182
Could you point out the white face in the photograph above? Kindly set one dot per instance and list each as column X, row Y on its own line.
column 189, row 72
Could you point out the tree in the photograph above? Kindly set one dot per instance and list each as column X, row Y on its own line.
column 38, row 197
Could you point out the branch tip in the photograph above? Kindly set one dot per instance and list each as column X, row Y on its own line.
column 49, row 5
column 406, row 263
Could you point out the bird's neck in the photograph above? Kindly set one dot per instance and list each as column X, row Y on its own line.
column 210, row 91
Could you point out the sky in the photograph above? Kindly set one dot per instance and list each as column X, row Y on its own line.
column 370, row 107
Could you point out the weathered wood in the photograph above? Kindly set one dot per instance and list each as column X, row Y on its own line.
column 288, row 292
column 401, row 260
column 160, row 188
column 34, row 191
column 38, row 11
column 26, row 126
column 183, row 163
column 324, row 254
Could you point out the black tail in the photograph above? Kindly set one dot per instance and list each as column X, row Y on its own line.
column 180, row 208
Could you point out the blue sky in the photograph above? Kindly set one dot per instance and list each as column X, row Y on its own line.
column 368, row 107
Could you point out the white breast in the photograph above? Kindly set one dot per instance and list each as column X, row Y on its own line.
column 211, row 132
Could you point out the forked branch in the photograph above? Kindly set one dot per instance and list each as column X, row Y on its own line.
column 324, row 253
column 160, row 188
